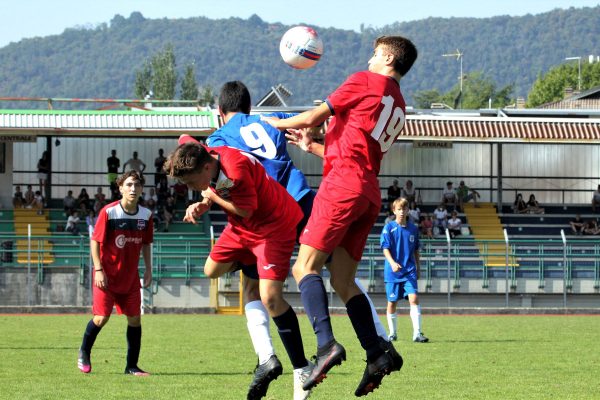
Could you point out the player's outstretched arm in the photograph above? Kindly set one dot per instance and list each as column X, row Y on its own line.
column 307, row 119
column 196, row 210
column 302, row 138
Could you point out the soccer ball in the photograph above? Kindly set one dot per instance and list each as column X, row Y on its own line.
column 301, row 47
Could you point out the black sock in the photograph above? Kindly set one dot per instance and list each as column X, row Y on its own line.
column 289, row 332
column 314, row 298
column 134, row 342
column 359, row 311
column 89, row 337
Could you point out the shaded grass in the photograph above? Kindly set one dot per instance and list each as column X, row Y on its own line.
column 210, row 357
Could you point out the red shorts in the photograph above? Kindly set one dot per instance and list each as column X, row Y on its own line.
column 271, row 255
column 127, row 303
column 340, row 218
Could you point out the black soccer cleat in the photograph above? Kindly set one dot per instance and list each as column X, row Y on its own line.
column 374, row 373
column 263, row 375
column 83, row 362
column 135, row 371
column 420, row 338
column 326, row 358
column 389, row 348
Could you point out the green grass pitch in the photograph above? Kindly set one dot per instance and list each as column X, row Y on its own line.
column 210, row 357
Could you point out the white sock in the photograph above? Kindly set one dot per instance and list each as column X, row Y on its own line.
column 259, row 329
column 378, row 325
column 415, row 316
column 392, row 323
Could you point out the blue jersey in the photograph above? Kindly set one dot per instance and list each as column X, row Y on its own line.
column 402, row 242
column 248, row 133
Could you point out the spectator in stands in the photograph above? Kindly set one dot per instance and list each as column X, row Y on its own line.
column 414, row 213
column 409, row 192
column 38, row 202
column 533, row 206
column 18, row 200
column 83, row 200
column 135, row 164
column 43, row 167
column 180, row 192
column 162, row 190
column 596, row 199
column 577, row 225
column 393, row 192
column 72, row 223
column 113, row 164
column 99, row 200
column 150, row 198
column 464, row 194
column 69, row 202
column 29, row 197
column 454, row 224
column 591, row 227
column 427, row 226
column 519, row 206
column 91, row 219
column 168, row 212
column 158, row 164
column 449, row 195
column 440, row 218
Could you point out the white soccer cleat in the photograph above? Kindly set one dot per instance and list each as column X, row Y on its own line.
column 300, row 376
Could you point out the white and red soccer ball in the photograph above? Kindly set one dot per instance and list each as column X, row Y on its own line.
column 301, row 47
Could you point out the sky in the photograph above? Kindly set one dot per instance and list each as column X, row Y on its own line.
column 30, row 18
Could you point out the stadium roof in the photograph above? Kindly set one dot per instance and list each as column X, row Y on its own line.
column 555, row 126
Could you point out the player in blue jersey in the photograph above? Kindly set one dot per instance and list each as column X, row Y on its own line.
column 400, row 244
column 250, row 133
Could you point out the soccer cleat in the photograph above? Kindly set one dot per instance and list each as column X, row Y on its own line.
column 325, row 359
column 135, row 371
column 420, row 338
column 263, row 375
column 83, row 362
column 374, row 373
column 388, row 347
column 300, row 376
column 392, row 337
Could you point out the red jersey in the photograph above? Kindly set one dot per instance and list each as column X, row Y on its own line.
column 243, row 181
column 368, row 115
column 121, row 236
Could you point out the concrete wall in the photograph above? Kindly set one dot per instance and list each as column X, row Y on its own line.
column 61, row 287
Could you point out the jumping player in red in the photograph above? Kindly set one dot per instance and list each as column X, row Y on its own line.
column 123, row 230
column 261, row 229
column 368, row 115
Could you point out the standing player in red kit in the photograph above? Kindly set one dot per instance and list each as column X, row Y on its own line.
column 262, row 219
column 368, row 115
column 123, row 230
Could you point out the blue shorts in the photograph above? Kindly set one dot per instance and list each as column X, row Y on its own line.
column 395, row 291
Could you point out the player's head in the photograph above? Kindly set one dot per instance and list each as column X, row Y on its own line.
column 400, row 208
column 134, row 175
column 191, row 164
column 234, row 97
column 402, row 50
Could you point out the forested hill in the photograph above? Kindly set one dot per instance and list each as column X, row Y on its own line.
column 101, row 61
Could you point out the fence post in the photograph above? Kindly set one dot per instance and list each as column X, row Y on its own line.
column 506, row 267
column 449, row 255
column 564, row 240
column 28, row 280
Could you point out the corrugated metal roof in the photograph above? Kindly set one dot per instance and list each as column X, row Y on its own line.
column 501, row 129
column 106, row 122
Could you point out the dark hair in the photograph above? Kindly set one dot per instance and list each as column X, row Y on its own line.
column 403, row 50
column 186, row 159
column 234, row 97
column 134, row 174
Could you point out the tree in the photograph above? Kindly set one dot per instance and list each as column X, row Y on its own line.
column 143, row 81
column 164, row 74
column 189, row 86
column 551, row 86
column 477, row 92
column 208, row 96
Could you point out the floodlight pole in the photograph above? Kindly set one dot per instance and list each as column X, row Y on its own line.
column 449, row 254
column 579, row 70
column 459, row 57
column 506, row 267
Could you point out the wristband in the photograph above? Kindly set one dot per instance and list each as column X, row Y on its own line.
column 98, row 269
